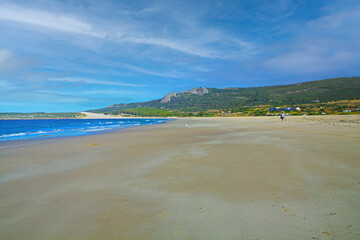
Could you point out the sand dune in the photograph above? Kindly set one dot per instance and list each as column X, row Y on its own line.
column 98, row 115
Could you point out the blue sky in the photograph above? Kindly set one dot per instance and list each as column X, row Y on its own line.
column 67, row 55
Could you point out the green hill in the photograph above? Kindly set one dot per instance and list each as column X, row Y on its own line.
column 205, row 99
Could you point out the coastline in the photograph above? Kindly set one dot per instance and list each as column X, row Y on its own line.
column 198, row 178
column 90, row 115
column 52, row 128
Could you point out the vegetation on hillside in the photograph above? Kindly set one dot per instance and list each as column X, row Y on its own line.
column 142, row 112
column 244, row 100
column 335, row 107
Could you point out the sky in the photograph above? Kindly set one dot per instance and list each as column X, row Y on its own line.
column 75, row 55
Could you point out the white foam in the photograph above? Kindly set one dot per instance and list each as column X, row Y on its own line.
column 40, row 132
column 13, row 135
column 97, row 126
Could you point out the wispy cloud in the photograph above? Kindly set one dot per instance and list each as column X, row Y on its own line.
column 110, row 92
column 130, row 31
column 312, row 60
column 5, row 85
column 41, row 96
column 276, row 10
column 154, row 73
column 44, row 97
column 47, row 19
column 11, row 62
column 91, row 81
column 327, row 44
column 173, row 44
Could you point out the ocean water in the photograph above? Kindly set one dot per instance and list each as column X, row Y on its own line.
column 34, row 129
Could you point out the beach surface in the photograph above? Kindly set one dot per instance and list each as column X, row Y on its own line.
column 201, row 178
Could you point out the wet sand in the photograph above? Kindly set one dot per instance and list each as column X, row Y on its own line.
column 234, row 178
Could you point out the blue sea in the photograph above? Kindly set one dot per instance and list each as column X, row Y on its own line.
column 34, row 129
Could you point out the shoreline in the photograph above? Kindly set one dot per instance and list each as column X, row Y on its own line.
column 347, row 121
column 103, row 116
column 200, row 178
column 106, row 131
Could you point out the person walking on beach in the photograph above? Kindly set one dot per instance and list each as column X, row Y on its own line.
column 282, row 116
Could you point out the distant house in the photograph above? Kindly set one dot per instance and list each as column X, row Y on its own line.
column 352, row 110
column 279, row 109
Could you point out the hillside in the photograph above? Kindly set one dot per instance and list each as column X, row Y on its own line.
column 204, row 99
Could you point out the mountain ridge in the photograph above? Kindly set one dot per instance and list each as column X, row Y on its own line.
column 203, row 99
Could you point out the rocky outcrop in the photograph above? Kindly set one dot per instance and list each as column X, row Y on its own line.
column 167, row 97
column 197, row 91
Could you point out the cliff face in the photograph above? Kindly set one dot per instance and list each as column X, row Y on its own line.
column 197, row 91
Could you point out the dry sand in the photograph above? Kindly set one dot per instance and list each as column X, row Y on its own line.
column 99, row 115
column 234, row 178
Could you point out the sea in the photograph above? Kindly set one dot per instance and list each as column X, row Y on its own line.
column 46, row 128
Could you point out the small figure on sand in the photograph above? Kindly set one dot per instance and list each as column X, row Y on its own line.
column 282, row 116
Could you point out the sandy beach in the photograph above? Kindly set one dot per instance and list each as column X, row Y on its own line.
column 216, row 178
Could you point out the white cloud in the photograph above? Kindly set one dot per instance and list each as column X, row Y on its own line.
column 326, row 45
column 276, row 10
column 91, row 81
column 5, row 85
column 11, row 62
column 193, row 39
column 154, row 73
column 173, row 44
column 47, row 19
column 5, row 54
column 338, row 23
column 107, row 92
column 311, row 61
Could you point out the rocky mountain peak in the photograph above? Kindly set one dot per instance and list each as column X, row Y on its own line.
column 167, row 97
column 197, row 91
